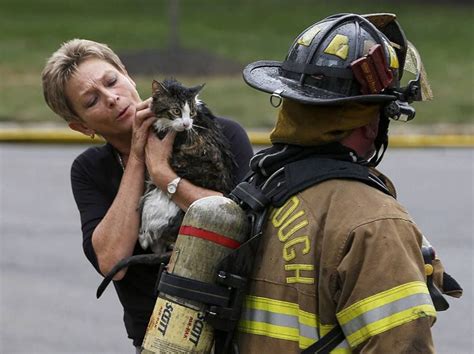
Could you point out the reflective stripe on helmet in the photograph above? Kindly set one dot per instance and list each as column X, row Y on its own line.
column 383, row 311
column 283, row 320
column 339, row 46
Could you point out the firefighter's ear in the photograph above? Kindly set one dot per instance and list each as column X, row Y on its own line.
column 371, row 130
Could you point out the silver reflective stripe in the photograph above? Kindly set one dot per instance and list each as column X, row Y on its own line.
column 343, row 345
column 384, row 311
column 280, row 320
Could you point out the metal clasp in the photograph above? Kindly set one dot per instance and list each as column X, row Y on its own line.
column 276, row 99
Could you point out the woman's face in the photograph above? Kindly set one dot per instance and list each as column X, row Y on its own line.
column 103, row 97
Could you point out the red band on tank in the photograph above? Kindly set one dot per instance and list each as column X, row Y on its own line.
column 208, row 235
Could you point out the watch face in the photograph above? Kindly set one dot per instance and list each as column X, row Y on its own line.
column 172, row 189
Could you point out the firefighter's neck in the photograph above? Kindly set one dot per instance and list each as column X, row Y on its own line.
column 361, row 140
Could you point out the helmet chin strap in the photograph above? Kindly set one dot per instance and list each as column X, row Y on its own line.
column 380, row 142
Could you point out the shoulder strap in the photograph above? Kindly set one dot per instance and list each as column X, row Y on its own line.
column 255, row 196
column 299, row 175
column 327, row 343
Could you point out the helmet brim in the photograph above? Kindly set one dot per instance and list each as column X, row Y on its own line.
column 264, row 75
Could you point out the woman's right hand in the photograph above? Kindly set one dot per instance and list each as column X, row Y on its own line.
column 144, row 118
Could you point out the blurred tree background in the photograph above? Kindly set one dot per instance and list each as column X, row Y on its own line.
column 213, row 40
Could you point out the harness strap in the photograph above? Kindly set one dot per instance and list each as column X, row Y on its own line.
column 299, row 175
column 195, row 290
column 250, row 195
column 327, row 343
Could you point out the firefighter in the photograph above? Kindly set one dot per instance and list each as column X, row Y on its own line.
column 340, row 262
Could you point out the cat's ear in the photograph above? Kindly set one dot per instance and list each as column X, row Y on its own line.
column 196, row 89
column 158, row 88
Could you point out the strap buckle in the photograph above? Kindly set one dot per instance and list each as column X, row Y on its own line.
column 276, row 99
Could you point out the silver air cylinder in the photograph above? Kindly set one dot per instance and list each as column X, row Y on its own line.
column 211, row 229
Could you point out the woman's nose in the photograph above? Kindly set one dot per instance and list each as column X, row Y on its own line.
column 112, row 99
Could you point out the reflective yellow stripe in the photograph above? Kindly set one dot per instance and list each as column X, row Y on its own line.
column 339, row 46
column 380, row 299
column 341, row 351
column 308, row 36
column 281, row 307
column 386, row 310
column 390, row 322
column 393, row 57
column 266, row 329
column 284, row 320
column 279, row 319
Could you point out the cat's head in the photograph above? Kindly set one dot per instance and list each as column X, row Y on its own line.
column 174, row 105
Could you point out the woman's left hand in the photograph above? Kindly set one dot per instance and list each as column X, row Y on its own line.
column 157, row 155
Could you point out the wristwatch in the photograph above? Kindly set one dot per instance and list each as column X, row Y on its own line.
column 172, row 187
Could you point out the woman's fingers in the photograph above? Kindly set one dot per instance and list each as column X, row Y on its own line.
column 144, row 119
column 160, row 149
column 143, row 112
column 144, row 104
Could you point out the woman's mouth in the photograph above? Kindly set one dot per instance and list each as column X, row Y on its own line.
column 122, row 113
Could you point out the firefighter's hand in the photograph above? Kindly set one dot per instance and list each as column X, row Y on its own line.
column 444, row 282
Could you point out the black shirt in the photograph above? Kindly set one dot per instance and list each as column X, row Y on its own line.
column 95, row 179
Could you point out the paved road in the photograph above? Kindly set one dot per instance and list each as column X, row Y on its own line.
column 47, row 288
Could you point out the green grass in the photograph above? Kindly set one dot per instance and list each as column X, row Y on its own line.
column 30, row 30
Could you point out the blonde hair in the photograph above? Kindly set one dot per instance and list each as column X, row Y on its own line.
column 63, row 64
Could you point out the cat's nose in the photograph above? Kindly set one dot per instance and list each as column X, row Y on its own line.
column 187, row 123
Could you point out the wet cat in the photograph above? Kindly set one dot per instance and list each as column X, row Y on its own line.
column 201, row 155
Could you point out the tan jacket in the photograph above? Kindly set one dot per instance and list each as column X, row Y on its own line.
column 338, row 252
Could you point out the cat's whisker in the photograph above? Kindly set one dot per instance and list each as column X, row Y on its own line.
column 200, row 127
column 192, row 136
column 188, row 135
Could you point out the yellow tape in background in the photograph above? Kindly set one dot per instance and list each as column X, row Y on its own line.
column 67, row 136
column 400, row 141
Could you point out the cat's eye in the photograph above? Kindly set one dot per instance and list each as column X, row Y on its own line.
column 176, row 111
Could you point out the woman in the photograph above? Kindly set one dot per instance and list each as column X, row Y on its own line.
column 85, row 83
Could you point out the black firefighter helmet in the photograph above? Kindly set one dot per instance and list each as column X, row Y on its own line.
column 347, row 58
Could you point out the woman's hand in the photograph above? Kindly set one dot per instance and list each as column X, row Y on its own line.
column 144, row 118
column 157, row 155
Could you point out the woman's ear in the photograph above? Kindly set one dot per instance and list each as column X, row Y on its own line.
column 81, row 128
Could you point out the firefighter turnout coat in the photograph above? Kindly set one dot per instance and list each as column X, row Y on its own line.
column 340, row 252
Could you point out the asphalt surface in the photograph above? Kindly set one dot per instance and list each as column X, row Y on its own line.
column 47, row 287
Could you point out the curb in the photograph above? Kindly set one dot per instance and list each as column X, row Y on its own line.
column 66, row 136
column 399, row 141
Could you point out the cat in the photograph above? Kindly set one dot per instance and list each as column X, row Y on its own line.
column 201, row 155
